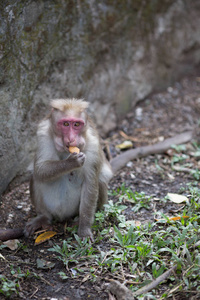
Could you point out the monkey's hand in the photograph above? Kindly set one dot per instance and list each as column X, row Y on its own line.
column 36, row 223
column 76, row 160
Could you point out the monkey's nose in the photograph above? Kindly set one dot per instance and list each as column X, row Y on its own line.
column 69, row 142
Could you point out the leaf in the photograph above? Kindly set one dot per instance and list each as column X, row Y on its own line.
column 44, row 264
column 63, row 275
column 176, row 198
column 44, row 237
column 178, row 218
column 124, row 145
column 86, row 278
column 133, row 222
column 12, row 244
column 137, row 223
column 173, row 218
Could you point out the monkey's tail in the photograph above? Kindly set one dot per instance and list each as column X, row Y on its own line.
column 10, row 234
column 121, row 160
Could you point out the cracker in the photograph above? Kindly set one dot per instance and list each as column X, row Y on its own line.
column 74, row 149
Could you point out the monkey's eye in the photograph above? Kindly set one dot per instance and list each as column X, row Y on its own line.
column 66, row 123
column 76, row 124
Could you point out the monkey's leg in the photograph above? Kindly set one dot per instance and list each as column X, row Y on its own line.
column 36, row 223
column 88, row 204
column 103, row 194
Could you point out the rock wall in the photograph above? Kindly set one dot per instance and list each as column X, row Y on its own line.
column 112, row 53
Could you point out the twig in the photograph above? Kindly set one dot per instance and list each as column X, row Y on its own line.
column 121, row 292
column 174, row 289
column 42, row 278
column 108, row 151
column 102, row 262
column 154, row 283
column 181, row 169
column 128, row 137
column 34, row 292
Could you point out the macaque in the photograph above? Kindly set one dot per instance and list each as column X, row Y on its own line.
column 71, row 173
column 67, row 184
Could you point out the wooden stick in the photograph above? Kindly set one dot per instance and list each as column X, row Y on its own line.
column 154, row 283
column 121, row 292
column 128, row 137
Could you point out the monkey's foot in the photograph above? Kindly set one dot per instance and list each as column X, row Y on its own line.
column 85, row 232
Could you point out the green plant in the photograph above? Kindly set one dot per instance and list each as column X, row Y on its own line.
column 8, row 287
column 139, row 199
column 127, row 238
column 64, row 252
column 114, row 210
column 179, row 148
column 71, row 254
column 143, row 252
column 196, row 174
column 157, row 270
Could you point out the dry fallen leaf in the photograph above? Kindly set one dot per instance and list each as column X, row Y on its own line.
column 178, row 218
column 12, row 244
column 133, row 222
column 124, row 145
column 86, row 278
column 44, row 237
column 176, row 198
column 173, row 218
column 44, row 264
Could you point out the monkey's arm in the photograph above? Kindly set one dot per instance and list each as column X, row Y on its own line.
column 52, row 169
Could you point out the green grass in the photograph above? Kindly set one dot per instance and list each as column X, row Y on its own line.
column 131, row 253
column 10, row 286
column 138, row 254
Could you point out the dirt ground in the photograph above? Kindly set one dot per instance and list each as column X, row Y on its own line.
column 161, row 115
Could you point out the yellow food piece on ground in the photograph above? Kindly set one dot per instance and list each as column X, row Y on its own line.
column 74, row 149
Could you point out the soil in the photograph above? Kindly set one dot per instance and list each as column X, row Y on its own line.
column 158, row 117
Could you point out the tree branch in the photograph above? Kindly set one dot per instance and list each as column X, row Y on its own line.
column 121, row 292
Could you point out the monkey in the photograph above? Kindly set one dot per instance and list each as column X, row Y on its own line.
column 67, row 184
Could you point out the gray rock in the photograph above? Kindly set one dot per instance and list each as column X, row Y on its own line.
column 110, row 54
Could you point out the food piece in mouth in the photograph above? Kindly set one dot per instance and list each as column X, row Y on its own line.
column 74, row 149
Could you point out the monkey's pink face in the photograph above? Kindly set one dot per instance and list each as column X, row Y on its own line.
column 70, row 131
